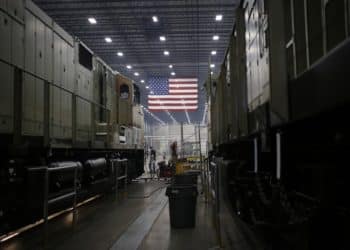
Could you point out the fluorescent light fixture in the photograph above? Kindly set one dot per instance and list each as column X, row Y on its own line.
column 162, row 38
column 128, row 66
column 92, row 20
column 212, row 65
column 120, row 53
column 147, row 87
column 218, row 17
column 170, row 66
column 213, row 53
column 108, row 39
column 166, row 53
column 155, row 19
column 216, row 37
column 136, row 74
column 142, row 81
column 173, row 73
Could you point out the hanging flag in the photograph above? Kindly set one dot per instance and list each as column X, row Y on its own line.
column 173, row 94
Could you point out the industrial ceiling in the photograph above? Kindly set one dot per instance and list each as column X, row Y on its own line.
column 135, row 28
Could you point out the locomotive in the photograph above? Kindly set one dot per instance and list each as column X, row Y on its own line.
column 279, row 124
column 61, row 106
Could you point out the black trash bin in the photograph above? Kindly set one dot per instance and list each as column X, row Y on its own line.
column 182, row 205
column 185, row 179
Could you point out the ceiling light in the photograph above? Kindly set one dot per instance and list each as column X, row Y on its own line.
column 170, row 66
column 173, row 73
column 216, row 37
column 212, row 65
column 142, row 81
column 120, row 54
column 136, row 74
column 152, row 92
column 213, row 52
column 212, row 73
column 92, row 20
column 147, row 87
column 155, row 19
column 128, row 66
column 218, row 17
column 166, row 53
column 162, row 38
column 108, row 39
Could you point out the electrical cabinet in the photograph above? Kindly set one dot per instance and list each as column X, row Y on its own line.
column 6, row 98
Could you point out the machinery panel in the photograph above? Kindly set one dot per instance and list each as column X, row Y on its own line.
column 55, row 112
column 63, row 67
column 6, row 98
column 39, row 48
column 17, row 44
column 16, row 8
column 29, row 42
column 66, row 114
column 28, row 105
column 3, row 5
column 48, row 62
column 57, row 56
column 5, row 41
column 70, row 68
column 39, row 106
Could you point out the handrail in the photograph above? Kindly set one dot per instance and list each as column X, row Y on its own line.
column 116, row 164
column 48, row 202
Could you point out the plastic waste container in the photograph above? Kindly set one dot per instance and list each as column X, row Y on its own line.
column 185, row 179
column 182, row 205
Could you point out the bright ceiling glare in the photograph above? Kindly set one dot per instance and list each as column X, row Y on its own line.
column 147, row 87
column 216, row 37
column 92, row 20
column 213, row 53
column 152, row 92
column 212, row 73
column 108, row 39
column 142, row 81
column 173, row 73
column 128, row 66
column 170, row 66
column 162, row 38
column 218, row 18
column 212, row 65
column 166, row 53
column 155, row 19
column 136, row 74
column 120, row 54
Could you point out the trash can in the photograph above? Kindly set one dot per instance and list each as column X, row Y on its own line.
column 182, row 205
column 185, row 179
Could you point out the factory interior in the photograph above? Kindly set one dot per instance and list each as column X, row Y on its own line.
column 174, row 124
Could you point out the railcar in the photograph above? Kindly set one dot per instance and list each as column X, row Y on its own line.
column 60, row 105
column 279, row 122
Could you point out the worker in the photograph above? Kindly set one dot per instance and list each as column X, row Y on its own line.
column 152, row 162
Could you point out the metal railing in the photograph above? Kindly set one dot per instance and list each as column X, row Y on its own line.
column 117, row 167
column 47, row 201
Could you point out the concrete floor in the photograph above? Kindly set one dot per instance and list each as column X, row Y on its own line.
column 140, row 221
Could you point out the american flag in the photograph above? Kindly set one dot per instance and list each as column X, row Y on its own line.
column 173, row 94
